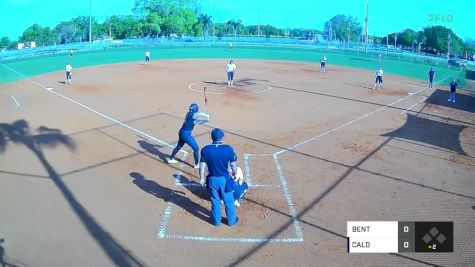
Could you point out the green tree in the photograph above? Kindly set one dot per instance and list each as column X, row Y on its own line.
column 407, row 38
column 152, row 24
column 65, row 32
column 338, row 26
column 38, row 34
column 437, row 39
column 5, row 42
column 163, row 7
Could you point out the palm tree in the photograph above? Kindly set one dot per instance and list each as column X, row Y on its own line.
column 206, row 20
column 239, row 26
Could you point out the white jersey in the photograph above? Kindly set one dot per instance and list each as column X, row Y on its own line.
column 147, row 54
column 231, row 67
column 69, row 68
column 379, row 73
column 323, row 60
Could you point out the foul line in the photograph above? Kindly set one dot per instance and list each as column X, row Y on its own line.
column 168, row 209
column 353, row 121
column 16, row 102
column 409, row 108
column 49, row 89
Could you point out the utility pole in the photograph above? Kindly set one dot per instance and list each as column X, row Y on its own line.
column 395, row 41
column 387, row 43
column 258, row 23
column 348, row 36
column 448, row 48
column 90, row 25
column 366, row 29
column 110, row 30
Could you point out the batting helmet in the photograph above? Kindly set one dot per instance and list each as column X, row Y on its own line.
column 194, row 108
column 217, row 135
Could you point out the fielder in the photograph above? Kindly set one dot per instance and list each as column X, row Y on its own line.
column 379, row 78
column 71, row 53
column 431, row 77
column 147, row 57
column 185, row 137
column 69, row 73
column 323, row 62
column 217, row 157
column 230, row 69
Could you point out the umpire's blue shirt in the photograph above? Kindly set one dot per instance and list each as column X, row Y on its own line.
column 217, row 157
column 189, row 123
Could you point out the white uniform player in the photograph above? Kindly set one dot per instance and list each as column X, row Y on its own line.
column 379, row 78
column 323, row 62
column 147, row 58
column 230, row 68
column 69, row 72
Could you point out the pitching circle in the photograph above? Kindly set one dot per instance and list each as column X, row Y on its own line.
column 266, row 88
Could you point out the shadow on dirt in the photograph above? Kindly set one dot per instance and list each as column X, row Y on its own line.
column 19, row 133
column 168, row 195
column 436, row 133
column 463, row 102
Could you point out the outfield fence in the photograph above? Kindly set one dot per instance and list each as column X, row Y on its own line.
column 352, row 48
column 355, row 51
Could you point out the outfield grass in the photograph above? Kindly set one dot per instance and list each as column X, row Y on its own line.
column 41, row 65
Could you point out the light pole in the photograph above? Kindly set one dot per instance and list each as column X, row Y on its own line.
column 258, row 23
column 90, row 25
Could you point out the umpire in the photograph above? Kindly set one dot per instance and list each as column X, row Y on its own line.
column 217, row 157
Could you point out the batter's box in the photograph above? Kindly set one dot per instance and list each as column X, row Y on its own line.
column 260, row 171
column 266, row 214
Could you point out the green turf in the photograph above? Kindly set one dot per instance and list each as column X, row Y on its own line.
column 45, row 64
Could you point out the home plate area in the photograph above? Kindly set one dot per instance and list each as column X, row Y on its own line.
column 266, row 214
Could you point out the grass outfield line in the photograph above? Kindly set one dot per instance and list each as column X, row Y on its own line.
column 46, row 64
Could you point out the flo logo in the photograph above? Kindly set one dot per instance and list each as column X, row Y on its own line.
column 438, row 18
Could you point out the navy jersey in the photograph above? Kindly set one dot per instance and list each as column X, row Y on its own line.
column 453, row 86
column 431, row 74
column 217, row 157
column 189, row 123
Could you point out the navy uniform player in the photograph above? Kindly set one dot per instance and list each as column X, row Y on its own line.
column 185, row 137
column 216, row 157
column 453, row 88
column 431, row 77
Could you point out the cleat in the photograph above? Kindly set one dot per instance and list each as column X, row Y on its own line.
column 236, row 203
column 171, row 161
column 196, row 166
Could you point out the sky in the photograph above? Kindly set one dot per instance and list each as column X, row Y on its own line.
column 384, row 16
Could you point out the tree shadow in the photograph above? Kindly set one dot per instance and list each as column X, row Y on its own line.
column 463, row 102
column 19, row 132
column 168, row 195
column 431, row 132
